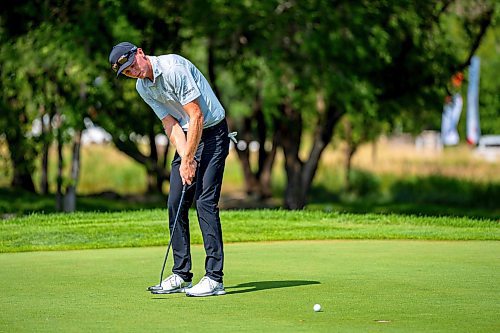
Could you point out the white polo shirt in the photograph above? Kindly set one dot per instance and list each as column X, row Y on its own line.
column 176, row 82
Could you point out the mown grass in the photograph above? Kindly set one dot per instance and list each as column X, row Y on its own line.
column 363, row 286
column 149, row 228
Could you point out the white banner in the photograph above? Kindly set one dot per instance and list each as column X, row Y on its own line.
column 473, row 130
column 451, row 116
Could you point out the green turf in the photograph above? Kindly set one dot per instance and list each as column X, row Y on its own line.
column 148, row 228
column 414, row 286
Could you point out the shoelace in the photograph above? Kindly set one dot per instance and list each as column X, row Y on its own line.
column 171, row 279
column 203, row 279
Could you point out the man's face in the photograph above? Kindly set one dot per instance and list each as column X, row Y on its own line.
column 139, row 68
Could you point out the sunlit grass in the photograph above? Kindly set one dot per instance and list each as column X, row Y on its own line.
column 363, row 286
column 38, row 232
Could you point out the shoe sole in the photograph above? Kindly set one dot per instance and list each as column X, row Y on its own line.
column 214, row 293
column 174, row 291
column 154, row 288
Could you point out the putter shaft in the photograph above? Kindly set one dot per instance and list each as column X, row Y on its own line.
column 184, row 187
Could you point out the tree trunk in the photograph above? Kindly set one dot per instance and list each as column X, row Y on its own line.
column 44, row 183
column 21, row 154
column 161, row 177
column 46, row 130
column 300, row 175
column 60, row 166
column 152, row 177
column 290, row 138
column 295, row 196
column 258, row 181
column 329, row 118
column 70, row 195
column 249, row 178
column 349, row 153
column 22, row 173
column 22, row 177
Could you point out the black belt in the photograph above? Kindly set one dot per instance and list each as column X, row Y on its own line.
column 213, row 127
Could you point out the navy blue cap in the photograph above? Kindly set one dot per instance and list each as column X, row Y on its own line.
column 120, row 50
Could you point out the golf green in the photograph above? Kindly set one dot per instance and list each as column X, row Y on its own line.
column 361, row 285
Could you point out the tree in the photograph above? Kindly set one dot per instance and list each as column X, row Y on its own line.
column 238, row 76
column 94, row 26
column 396, row 54
column 123, row 113
column 283, row 69
column 45, row 73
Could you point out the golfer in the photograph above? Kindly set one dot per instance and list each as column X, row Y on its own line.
column 194, row 121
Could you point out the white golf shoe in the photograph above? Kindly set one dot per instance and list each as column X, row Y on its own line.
column 173, row 284
column 206, row 287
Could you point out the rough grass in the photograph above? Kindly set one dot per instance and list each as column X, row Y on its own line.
column 400, row 179
column 149, row 228
column 104, row 168
column 402, row 160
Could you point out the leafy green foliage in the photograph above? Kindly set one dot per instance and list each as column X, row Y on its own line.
column 45, row 69
column 380, row 64
column 489, row 98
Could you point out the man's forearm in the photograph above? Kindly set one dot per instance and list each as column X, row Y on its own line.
column 177, row 138
column 193, row 136
column 175, row 134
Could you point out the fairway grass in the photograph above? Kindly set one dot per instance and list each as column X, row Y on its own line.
column 39, row 232
column 363, row 285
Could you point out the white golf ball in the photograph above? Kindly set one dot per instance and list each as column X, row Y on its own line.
column 317, row 307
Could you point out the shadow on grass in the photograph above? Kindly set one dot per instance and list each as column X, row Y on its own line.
column 264, row 285
column 430, row 196
column 254, row 286
column 18, row 202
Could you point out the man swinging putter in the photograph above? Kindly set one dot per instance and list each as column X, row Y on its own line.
column 194, row 121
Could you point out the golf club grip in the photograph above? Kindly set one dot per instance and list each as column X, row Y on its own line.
column 184, row 187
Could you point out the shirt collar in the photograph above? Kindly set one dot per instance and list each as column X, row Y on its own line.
column 156, row 70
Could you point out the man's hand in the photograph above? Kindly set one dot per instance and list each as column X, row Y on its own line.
column 187, row 170
column 186, row 146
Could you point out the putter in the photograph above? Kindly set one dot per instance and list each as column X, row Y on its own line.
column 158, row 286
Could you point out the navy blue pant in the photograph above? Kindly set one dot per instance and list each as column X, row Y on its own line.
column 211, row 154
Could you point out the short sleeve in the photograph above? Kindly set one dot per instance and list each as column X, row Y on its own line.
column 159, row 109
column 185, row 87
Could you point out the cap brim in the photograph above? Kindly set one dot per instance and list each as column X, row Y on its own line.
column 125, row 65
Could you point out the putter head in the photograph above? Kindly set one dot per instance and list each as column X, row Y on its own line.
column 155, row 288
column 162, row 292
